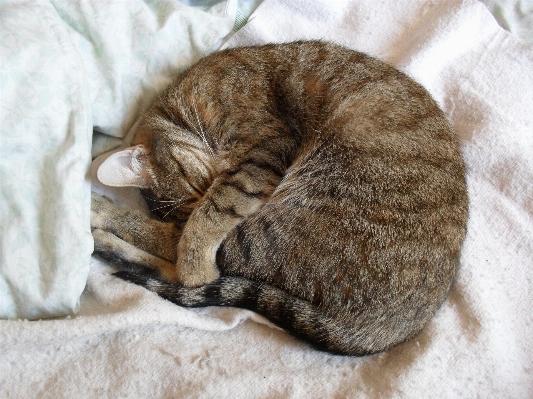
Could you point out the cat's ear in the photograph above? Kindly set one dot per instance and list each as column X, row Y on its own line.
column 125, row 168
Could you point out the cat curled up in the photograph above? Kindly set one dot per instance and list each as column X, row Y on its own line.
column 310, row 183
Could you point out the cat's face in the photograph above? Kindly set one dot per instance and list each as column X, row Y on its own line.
column 162, row 163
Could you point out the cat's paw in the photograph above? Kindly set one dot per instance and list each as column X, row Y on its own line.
column 196, row 264
column 101, row 210
column 198, row 275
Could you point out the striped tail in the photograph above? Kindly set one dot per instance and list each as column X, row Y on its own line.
column 298, row 317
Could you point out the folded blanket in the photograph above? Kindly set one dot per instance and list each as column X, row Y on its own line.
column 127, row 342
column 514, row 15
column 64, row 67
column 46, row 126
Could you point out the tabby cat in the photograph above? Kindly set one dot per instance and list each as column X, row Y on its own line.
column 305, row 181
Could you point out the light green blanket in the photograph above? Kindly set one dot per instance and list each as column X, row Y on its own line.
column 66, row 66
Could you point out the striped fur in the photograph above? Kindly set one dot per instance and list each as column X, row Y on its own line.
column 301, row 318
column 310, row 183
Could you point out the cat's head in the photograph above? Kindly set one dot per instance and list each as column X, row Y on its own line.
column 170, row 164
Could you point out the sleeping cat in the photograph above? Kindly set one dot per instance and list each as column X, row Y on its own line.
column 307, row 182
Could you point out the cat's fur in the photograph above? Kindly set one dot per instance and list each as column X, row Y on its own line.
column 326, row 188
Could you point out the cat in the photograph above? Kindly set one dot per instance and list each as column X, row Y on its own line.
column 313, row 184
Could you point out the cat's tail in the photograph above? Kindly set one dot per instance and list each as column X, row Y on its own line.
column 298, row 317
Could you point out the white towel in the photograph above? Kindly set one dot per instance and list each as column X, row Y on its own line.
column 126, row 342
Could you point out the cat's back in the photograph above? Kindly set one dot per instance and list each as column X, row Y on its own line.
column 370, row 214
column 369, row 220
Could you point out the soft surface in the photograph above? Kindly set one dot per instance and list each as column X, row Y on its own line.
column 126, row 342
column 64, row 67
column 514, row 15
column 46, row 126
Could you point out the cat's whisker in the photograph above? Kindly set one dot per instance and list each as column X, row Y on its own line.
column 183, row 105
column 161, row 201
column 148, row 198
column 156, row 200
column 202, row 133
column 173, row 209
column 161, row 207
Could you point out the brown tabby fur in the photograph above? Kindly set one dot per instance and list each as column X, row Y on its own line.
column 326, row 189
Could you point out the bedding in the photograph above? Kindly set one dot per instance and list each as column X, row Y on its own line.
column 45, row 242
column 126, row 342
column 68, row 68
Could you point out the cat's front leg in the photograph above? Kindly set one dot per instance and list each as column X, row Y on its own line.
column 128, row 238
column 231, row 198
